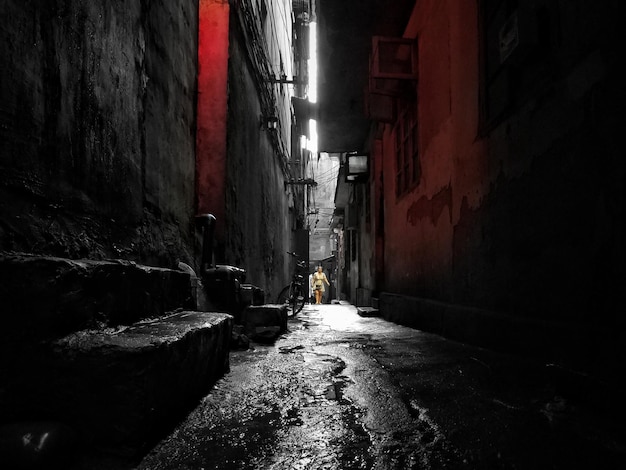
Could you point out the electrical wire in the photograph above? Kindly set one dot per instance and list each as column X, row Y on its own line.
column 257, row 48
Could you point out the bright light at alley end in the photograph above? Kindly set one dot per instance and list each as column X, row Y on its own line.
column 312, row 141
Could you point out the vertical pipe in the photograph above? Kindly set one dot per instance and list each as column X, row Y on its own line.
column 206, row 222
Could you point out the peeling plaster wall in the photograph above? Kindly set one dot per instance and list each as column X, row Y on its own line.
column 419, row 224
column 527, row 217
column 97, row 118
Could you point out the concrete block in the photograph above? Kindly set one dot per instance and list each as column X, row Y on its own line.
column 256, row 319
column 265, row 334
column 367, row 311
column 247, row 295
column 252, row 295
column 258, row 297
column 121, row 389
column 222, row 288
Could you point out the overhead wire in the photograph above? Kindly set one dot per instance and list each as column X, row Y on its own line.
column 256, row 45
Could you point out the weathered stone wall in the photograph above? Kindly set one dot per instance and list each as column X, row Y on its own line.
column 258, row 219
column 97, row 119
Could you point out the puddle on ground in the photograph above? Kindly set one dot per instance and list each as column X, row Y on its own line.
column 289, row 349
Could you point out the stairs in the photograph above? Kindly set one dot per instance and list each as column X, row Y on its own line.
column 113, row 350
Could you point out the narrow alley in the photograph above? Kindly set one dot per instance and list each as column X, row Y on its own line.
column 445, row 177
column 341, row 391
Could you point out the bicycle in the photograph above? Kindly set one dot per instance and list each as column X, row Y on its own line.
column 294, row 294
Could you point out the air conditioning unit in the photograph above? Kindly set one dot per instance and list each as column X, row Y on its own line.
column 393, row 63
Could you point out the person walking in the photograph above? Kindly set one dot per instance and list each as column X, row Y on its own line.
column 319, row 278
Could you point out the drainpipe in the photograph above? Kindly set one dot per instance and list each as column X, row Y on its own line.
column 206, row 222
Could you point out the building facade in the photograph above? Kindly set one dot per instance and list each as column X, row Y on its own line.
column 494, row 207
column 248, row 153
column 123, row 121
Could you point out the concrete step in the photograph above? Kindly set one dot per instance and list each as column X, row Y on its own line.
column 264, row 323
column 223, row 289
column 368, row 311
column 120, row 389
column 113, row 349
column 47, row 297
column 252, row 295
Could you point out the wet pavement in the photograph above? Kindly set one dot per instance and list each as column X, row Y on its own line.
column 339, row 391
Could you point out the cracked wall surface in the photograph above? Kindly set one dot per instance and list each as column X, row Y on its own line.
column 97, row 119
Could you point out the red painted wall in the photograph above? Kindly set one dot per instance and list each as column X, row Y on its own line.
column 419, row 225
column 212, row 109
column 512, row 214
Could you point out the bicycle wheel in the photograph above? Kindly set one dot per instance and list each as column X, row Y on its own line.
column 283, row 297
column 297, row 299
column 293, row 299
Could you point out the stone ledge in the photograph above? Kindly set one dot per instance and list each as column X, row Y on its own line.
column 252, row 295
column 264, row 322
column 122, row 389
column 368, row 311
column 46, row 297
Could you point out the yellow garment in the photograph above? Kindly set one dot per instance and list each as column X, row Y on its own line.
column 318, row 281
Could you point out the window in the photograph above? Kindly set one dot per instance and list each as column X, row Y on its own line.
column 406, row 148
